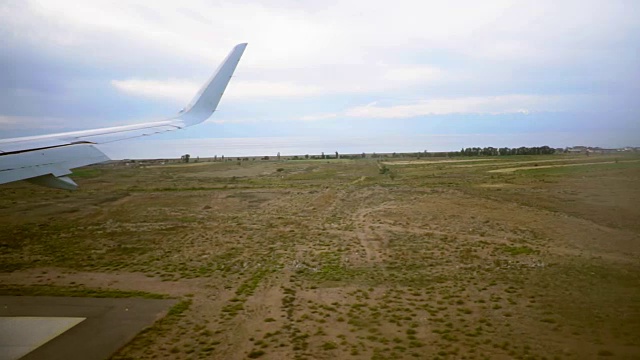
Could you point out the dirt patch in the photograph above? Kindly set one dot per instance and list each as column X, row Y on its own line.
column 560, row 160
column 424, row 162
column 556, row 166
column 497, row 186
column 118, row 281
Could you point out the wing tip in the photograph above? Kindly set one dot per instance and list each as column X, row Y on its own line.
column 241, row 47
column 207, row 99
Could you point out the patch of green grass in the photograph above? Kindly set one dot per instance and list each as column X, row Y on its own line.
column 248, row 287
column 179, row 308
column 194, row 188
column 254, row 354
column 329, row 345
column 518, row 250
column 86, row 173
column 160, row 328
column 75, row 291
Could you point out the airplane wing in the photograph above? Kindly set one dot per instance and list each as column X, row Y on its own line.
column 48, row 159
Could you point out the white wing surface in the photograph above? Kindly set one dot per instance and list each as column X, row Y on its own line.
column 48, row 159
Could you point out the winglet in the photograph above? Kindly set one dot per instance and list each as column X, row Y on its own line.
column 206, row 100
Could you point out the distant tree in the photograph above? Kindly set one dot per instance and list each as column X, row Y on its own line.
column 185, row 158
column 323, row 155
column 364, row 155
column 306, row 156
column 278, row 155
column 547, row 150
column 337, row 155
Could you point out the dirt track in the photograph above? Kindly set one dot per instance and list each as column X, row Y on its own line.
column 421, row 162
column 506, row 170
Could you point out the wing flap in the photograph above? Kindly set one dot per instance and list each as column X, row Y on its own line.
column 57, row 161
column 62, row 182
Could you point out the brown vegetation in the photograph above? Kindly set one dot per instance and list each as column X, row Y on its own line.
column 338, row 259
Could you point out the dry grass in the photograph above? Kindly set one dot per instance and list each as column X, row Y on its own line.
column 319, row 259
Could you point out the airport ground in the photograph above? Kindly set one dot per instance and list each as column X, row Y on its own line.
column 526, row 257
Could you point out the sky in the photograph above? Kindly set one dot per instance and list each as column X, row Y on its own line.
column 347, row 76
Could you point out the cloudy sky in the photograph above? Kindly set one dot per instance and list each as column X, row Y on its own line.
column 327, row 75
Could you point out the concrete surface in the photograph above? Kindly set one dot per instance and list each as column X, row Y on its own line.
column 21, row 335
column 94, row 328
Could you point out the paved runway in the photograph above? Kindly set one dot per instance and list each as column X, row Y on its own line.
column 72, row 327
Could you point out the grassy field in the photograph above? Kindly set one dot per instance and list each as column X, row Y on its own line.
column 348, row 258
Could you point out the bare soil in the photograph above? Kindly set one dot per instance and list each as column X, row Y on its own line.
column 554, row 166
column 442, row 161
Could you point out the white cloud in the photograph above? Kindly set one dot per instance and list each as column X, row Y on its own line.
column 199, row 31
column 413, row 74
column 303, row 49
column 216, row 120
column 266, row 89
column 181, row 91
column 402, row 50
column 9, row 122
column 524, row 104
column 285, row 34
column 366, row 79
column 326, row 116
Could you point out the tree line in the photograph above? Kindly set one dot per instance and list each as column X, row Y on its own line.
column 470, row 151
column 491, row 151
